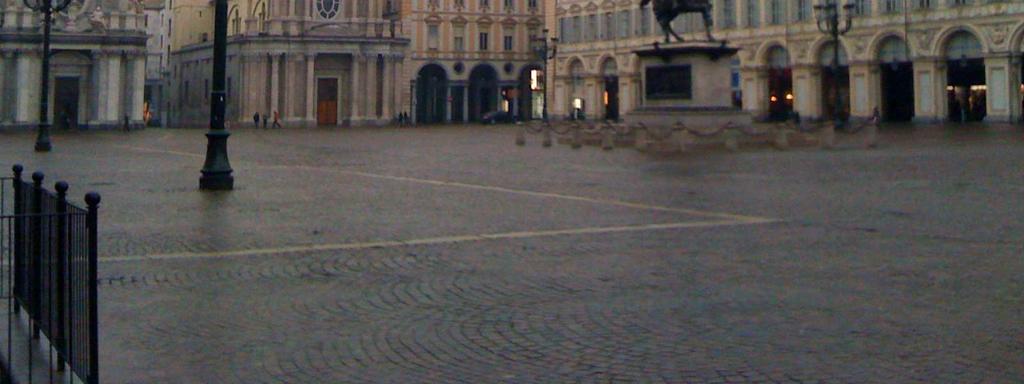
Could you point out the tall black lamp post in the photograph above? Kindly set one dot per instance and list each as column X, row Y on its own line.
column 47, row 8
column 217, row 168
column 828, row 18
column 545, row 52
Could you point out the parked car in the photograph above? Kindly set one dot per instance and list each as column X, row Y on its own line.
column 496, row 117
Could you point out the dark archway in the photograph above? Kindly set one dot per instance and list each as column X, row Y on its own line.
column 610, row 96
column 431, row 94
column 483, row 91
column 531, row 93
column 897, row 80
column 780, row 85
column 965, row 78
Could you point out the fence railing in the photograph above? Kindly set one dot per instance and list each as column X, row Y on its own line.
column 48, row 248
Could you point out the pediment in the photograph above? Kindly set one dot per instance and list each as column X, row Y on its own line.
column 591, row 7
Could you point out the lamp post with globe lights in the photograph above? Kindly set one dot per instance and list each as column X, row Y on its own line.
column 217, row 169
column 545, row 52
column 834, row 23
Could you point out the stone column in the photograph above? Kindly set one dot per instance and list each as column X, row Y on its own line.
column 389, row 92
column 372, row 77
column 3, row 86
column 755, row 90
column 114, row 85
column 862, row 84
column 275, row 92
column 807, row 91
column 99, row 87
column 929, row 90
column 310, row 89
column 1003, row 92
column 137, row 88
column 27, row 82
column 357, row 92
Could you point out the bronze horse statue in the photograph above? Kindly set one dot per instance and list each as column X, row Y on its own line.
column 667, row 10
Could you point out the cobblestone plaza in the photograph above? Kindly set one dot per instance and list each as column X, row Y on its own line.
column 452, row 255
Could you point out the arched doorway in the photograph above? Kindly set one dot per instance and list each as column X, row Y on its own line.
column 431, row 94
column 610, row 96
column 483, row 91
column 780, row 85
column 897, row 80
column 965, row 78
column 835, row 83
column 577, row 103
column 531, row 93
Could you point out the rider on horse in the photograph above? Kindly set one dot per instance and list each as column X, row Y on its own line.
column 667, row 10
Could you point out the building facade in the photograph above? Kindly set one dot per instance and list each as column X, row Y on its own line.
column 98, row 65
column 158, row 44
column 911, row 60
column 471, row 57
column 310, row 62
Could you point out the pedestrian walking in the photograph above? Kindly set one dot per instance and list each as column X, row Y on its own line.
column 265, row 121
column 277, row 120
column 256, row 120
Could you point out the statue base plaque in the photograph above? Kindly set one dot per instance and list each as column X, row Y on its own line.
column 688, row 82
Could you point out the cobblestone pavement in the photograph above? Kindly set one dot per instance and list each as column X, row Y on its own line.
column 451, row 255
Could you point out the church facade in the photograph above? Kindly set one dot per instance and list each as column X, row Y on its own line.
column 308, row 62
column 98, row 65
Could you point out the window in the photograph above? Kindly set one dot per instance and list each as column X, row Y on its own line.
column 862, row 7
column 532, row 4
column 728, row 14
column 510, row 5
column 592, row 27
column 563, row 29
column 484, row 39
column 328, row 9
column 893, row 6
column 753, row 14
column 433, row 35
column 484, row 4
column 623, row 24
column 957, row 3
column 923, row 4
column 609, row 26
column 459, row 42
column 645, row 22
column 507, row 40
column 803, row 10
column 460, row 4
column 577, row 29
column 776, row 13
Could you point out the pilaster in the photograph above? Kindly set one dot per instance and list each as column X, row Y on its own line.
column 27, row 80
column 311, row 88
column 1003, row 92
column 929, row 90
column 864, row 84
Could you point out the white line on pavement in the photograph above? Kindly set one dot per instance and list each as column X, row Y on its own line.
column 435, row 240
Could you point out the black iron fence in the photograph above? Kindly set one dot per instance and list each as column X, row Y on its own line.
column 48, row 251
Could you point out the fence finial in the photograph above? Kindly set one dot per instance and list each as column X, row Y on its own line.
column 37, row 177
column 17, row 168
column 92, row 198
column 61, row 187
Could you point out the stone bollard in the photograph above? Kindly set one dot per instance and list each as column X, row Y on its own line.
column 732, row 140
column 640, row 142
column 782, row 139
column 577, row 139
column 521, row 136
column 607, row 138
column 547, row 136
column 871, row 135
column 828, row 136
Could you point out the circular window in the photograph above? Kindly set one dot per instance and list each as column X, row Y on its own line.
column 508, row 67
column 459, row 67
column 328, row 9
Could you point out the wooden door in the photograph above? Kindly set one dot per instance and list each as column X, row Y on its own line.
column 327, row 102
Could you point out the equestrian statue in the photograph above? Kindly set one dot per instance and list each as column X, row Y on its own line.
column 667, row 10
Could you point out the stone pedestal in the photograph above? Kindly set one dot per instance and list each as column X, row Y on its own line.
column 688, row 83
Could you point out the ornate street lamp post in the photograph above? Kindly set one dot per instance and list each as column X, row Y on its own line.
column 545, row 52
column 47, row 7
column 828, row 18
column 217, row 168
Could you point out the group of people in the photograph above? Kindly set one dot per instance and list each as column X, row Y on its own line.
column 256, row 117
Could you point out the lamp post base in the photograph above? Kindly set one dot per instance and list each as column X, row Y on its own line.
column 43, row 139
column 217, row 170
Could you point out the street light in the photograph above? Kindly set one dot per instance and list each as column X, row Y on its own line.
column 828, row 20
column 217, row 168
column 545, row 52
column 47, row 8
